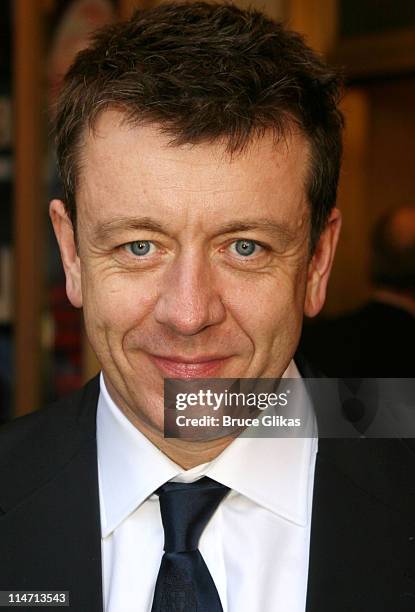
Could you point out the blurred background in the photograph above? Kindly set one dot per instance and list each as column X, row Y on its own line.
column 43, row 351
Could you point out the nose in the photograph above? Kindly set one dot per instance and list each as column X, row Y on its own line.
column 188, row 301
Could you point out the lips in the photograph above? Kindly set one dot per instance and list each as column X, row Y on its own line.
column 177, row 367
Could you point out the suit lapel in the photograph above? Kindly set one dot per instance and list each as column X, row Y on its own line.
column 362, row 534
column 362, row 545
column 50, row 521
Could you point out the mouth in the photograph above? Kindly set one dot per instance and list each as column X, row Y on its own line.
column 180, row 367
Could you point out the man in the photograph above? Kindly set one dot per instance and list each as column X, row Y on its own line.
column 199, row 147
column 378, row 339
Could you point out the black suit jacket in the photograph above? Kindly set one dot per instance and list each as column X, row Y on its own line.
column 363, row 525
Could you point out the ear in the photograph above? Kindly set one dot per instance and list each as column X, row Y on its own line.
column 320, row 265
column 66, row 239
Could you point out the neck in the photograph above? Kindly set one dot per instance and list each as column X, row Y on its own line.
column 187, row 454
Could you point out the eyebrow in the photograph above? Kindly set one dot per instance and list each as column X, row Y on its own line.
column 106, row 229
column 279, row 229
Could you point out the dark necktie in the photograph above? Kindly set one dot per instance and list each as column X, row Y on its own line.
column 184, row 583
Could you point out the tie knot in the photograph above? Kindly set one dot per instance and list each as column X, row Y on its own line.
column 185, row 510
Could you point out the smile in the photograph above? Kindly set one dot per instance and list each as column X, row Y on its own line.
column 179, row 367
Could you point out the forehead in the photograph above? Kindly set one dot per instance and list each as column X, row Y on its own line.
column 125, row 166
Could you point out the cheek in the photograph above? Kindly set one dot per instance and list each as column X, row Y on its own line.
column 115, row 304
column 267, row 307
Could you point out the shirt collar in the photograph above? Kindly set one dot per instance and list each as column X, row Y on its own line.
column 130, row 467
column 276, row 473
column 273, row 472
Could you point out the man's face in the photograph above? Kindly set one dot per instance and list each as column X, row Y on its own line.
column 190, row 263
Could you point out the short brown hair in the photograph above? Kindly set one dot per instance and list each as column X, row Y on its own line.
column 204, row 72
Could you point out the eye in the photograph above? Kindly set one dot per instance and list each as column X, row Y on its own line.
column 139, row 248
column 245, row 247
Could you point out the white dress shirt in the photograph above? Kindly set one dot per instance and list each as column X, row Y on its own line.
column 256, row 545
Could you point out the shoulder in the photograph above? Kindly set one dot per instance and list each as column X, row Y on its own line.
column 33, row 446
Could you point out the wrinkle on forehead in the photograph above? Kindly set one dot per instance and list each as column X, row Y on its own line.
column 133, row 170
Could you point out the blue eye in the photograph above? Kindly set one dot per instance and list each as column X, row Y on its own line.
column 245, row 247
column 139, row 247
